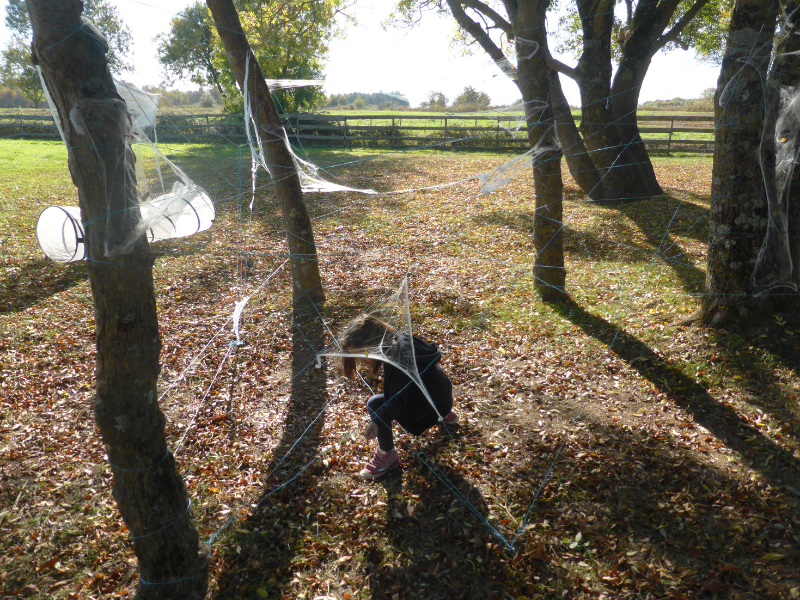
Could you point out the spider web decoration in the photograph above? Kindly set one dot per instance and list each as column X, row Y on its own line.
column 180, row 210
column 395, row 346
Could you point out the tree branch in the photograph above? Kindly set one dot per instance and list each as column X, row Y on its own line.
column 560, row 67
column 481, row 36
column 673, row 35
column 487, row 11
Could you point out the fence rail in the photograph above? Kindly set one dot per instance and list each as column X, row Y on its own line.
column 661, row 132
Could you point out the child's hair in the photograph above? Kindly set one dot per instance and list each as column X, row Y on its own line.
column 364, row 332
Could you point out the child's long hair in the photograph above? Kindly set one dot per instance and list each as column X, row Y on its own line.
column 364, row 332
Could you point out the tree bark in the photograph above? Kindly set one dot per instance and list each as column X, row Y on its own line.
column 149, row 491
column 534, row 83
column 776, row 267
column 786, row 72
column 644, row 38
column 580, row 163
column 738, row 215
column 625, row 93
column 307, row 283
column 621, row 177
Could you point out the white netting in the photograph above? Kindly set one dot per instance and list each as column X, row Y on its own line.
column 393, row 345
column 310, row 179
column 181, row 209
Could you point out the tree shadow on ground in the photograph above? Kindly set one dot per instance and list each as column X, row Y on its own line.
column 742, row 437
column 294, row 454
column 757, row 380
column 658, row 521
column 35, row 280
column 439, row 532
column 652, row 218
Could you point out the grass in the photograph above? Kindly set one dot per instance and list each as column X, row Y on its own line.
column 679, row 466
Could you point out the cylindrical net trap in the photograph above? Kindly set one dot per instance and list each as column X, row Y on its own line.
column 59, row 232
column 183, row 212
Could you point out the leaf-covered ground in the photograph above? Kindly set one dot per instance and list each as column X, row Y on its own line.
column 616, row 451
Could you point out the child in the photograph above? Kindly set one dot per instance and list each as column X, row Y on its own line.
column 401, row 400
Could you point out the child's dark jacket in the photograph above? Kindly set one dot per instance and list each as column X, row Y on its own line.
column 405, row 402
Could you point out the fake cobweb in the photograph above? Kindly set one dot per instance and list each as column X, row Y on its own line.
column 394, row 346
column 160, row 197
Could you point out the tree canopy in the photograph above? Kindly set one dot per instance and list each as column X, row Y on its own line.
column 100, row 12
column 290, row 40
column 471, row 100
column 698, row 25
column 18, row 72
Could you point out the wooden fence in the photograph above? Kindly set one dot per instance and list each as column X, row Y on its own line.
column 661, row 132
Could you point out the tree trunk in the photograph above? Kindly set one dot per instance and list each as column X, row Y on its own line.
column 786, row 72
column 776, row 265
column 579, row 162
column 620, row 180
column 625, row 93
column 738, row 216
column 623, row 180
column 150, row 493
column 307, row 283
column 534, row 82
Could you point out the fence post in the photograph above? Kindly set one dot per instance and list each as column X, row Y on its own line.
column 344, row 134
column 669, row 140
column 445, row 132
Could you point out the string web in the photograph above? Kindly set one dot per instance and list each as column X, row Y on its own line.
column 241, row 326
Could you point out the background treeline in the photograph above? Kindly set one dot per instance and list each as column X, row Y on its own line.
column 378, row 100
column 199, row 98
column 705, row 103
column 13, row 98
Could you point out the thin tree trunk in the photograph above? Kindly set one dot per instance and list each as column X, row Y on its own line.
column 307, row 289
column 149, row 491
column 738, row 216
column 549, row 273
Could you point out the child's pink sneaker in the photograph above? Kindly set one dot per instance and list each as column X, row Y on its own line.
column 451, row 418
column 381, row 463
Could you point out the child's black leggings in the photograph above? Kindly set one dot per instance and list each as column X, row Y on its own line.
column 385, row 438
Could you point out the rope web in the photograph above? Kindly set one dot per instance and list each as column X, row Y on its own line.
column 257, row 312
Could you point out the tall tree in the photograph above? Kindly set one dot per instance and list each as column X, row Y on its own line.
column 149, row 491
column 491, row 28
column 188, row 49
column 740, row 212
column 290, row 39
column 307, row 283
column 528, row 20
column 608, row 122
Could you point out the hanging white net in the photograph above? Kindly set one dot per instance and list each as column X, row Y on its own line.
column 393, row 344
column 180, row 209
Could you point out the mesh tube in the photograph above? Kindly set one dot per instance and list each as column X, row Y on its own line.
column 59, row 231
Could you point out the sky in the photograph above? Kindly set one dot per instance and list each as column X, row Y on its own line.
column 369, row 59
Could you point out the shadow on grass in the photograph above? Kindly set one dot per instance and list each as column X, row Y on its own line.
column 742, row 437
column 29, row 284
